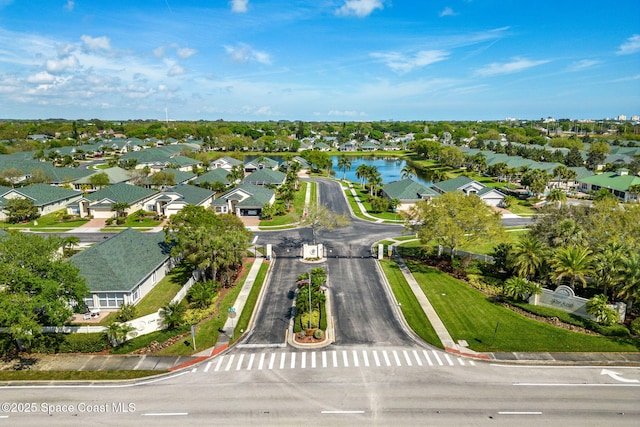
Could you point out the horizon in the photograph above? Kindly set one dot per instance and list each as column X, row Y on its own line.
column 330, row 61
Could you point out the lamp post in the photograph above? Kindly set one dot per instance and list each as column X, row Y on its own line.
column 309, row 322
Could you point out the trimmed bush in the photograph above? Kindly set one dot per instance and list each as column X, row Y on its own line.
column 318, row 334
column 635, row 326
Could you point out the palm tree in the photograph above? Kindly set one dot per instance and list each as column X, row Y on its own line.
column 521, row 288
column 120, row 208
column 344, row 164
column 572, row 262
column 634, row 190
column 117, row 333
column 557, row 195
column 528, row 257
column 629, row 289
column 361, row 173
column 609, row 266
column 408, row 171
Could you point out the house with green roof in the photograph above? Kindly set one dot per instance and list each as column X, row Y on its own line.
column 179, row 177
column 408, row 192
column 99, row 204
column 116, row 175
column 172, row 200
column 213, row 176
column 226, row 163
column 123, row 268
column 246, row 200
column 265, row 177
column 619, row 183
column 468, row 186
column 46, row 198
column 260, row 163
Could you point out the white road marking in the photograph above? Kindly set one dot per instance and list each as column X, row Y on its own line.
column 303, row 362
column 313, row 359
column 273, row 359
column 355, row 359
column 472, row 363
column 386, row 357
column 282, row 360
column 335, row 359
column 250, row 365
column 375, row 358
column 520, row 412
column 437, row 357
column 460, row 361
column 446, row 356
column 342, row 412
column 344, row 358
column 293, row 360
column 418, row 361
column 230, row 362
column 395, row 356
column 240, row 359
column 426, row 355
column 219, row 363
column 261, row 362
column 324, row 359
column 406, row 357
column 206, row 368
column 365, row 357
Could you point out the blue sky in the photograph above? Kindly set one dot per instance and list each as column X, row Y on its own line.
column 318, row 60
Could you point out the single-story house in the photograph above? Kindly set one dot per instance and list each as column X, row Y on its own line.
column 265, row 177
column 618, row 183
column 213, row 176
column 179, row 177
column 226, row 163
column 46, row 198
column 244, row 200
column 116, row 175
column 99, row 204
column 123, row 268
column 173, row 199
column 408, row 192
column 490, row 196
column 260, row 163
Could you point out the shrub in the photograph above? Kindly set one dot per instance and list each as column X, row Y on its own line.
column 635, row 326
column 121, row 220
column 302, row 334
column 318, row 334
column 108, row 221
column 127, row 312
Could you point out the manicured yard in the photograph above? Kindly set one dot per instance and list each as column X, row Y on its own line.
column 469, row 315
column 52, row 220
column 162, row 293
column 298, row 206
column 252, row 299
column 411, row 310
column 31, row 375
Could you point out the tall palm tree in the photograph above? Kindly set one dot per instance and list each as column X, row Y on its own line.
column 344, row 164
column 572, row 262
column 528, row 257
column 361, row 173
column 629, row 288
column 609, row 266
column 408, row 171
column 557, row 196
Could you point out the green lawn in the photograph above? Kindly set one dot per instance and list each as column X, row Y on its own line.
column 32, row 375
column 162, row 293
column 469, row 315
column 411, row 310
column 298, row 206
column 252, row 299
column 54, row 219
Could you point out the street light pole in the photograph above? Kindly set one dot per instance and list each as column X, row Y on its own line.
column 309, row 322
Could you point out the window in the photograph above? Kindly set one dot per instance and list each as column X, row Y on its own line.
column 111, row 300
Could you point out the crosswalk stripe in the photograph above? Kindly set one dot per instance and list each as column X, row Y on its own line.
column 460, row 361
column 293, row 360
column 386, row 357
column 446, row 356
column 313, row 359
column 365, row 357
column 239, row 362
column 437, row 357
column 253, row 355
column 282, row 360
column 219, row 363
column 273, row 359
column 406, row 357
column 230, row 362
column 395, row 356
column 303, row 361
column 335, row 359
column 418, row 361
column 344, row 358
column 206, row 368
column 426, row 355
column 324, row 359
column 472, row 363
column 261, row 362
column 375, row 358
column 355, row 359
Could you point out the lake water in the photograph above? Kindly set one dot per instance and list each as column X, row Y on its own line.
column 389, row 168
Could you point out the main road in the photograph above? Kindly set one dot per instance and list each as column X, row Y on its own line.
column 375, row 373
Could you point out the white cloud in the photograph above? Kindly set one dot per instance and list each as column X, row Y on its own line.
column 627, row 79
column 239, row 6
column 159, row 51
column 245, row 53
column 346, row 113
column 70, row 5
column 95, row 43
column 632, row 45
column 402, row 64
column 447, row 11
column 176, row 70
column 359, row 8
column 515, row 66
column 185, row 52
column 582, row 65
column 62, row 64
column 41, row 77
